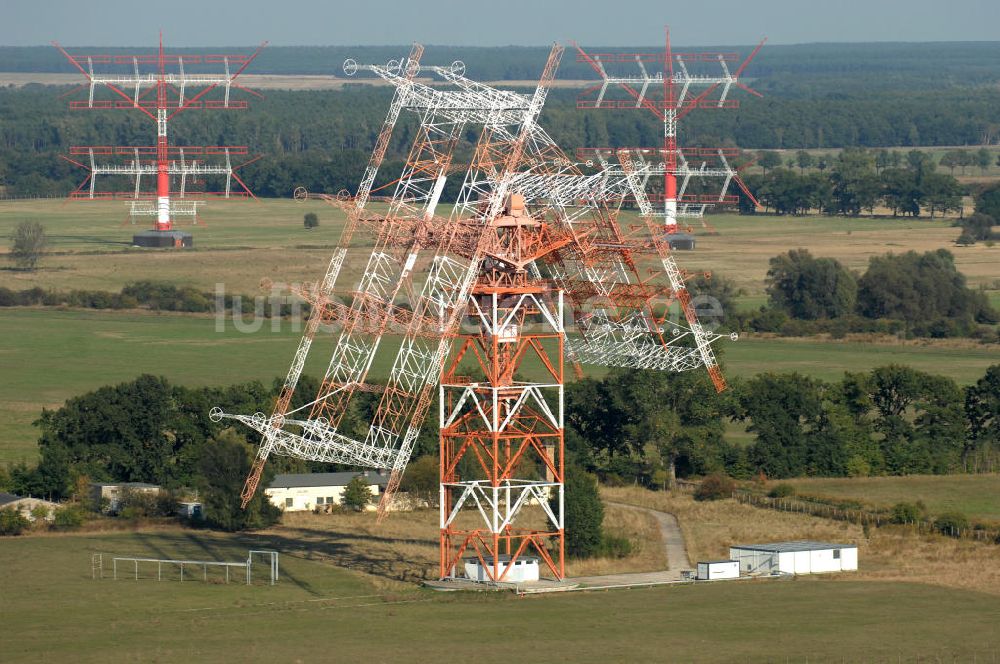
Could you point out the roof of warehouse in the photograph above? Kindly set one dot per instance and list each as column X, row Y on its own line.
column 796, row 545
column 290, row 480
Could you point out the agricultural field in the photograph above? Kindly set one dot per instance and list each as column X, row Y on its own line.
column 976, row 496
column 334, row 599
column 239, row 244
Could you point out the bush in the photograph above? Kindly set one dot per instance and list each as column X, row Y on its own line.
column 68, row 517
column 357, row 494
column 715, row 487
column 584, row 514
column 28, row 242
column 781, row 491
column 906, row 513
column 613, row 546
column 12, row 522
column 951, row 523
column 421, row 481
column 310, row 220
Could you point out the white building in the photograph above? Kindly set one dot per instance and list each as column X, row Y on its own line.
column 525, row 569
column 712, row 570
column 798, row 557
column 108, row 495
column 26, row 505
column 300, row 492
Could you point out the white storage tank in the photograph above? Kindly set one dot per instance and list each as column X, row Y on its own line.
column 712, row 570
column 797, row 557
column 525, row 568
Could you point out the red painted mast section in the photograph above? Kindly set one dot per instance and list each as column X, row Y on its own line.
column 163, row 222
column 669, row 139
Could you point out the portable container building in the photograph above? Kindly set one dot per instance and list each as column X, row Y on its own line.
column 798, row 557
column 711, row 570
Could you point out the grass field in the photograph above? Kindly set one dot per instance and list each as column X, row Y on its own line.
column 976, row 496
column 50, row 355
column 266, row 239
column 53, row 611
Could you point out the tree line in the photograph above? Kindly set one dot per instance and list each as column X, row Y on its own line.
column 649, row 427
column 856, row 181
column 644, row 426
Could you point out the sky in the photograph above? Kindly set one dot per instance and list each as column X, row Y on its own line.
column 496, row 23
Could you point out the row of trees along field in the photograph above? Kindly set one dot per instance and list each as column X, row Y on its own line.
column 630, row 426
column 856, row 181
column 637, row 426
column 321, row 139
column 910, row 294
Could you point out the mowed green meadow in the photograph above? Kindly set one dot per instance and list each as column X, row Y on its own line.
column 52, row 610
column 50, row 355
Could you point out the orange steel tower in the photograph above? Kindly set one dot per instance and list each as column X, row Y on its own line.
column 161, row 86
column 505, row 422
column 481, row 297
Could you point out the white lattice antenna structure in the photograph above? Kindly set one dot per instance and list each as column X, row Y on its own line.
column 467, row 287
column 160, row 86
column 681, row 83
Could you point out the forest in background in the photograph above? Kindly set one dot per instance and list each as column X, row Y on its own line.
column 816, row 96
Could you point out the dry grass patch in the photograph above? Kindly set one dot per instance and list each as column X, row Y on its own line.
column 404, row 548
column 711, row 527
column 641, row 530
column 889, row 554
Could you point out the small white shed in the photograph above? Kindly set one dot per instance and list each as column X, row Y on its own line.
column 525, row 569
column 710, row 570
column 798, row 557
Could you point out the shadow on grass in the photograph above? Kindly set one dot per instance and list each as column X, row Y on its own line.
column 388, row 557
column 87, row 239
column 349, row 550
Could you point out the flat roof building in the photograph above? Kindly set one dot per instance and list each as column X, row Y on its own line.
column 795, row 557
column 112, row 492
column 297, row 492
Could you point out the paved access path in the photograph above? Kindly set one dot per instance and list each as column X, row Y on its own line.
column 673, row 544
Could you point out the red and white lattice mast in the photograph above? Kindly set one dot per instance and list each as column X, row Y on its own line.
column 464, row 290
column 161, row 86
column 684, row 82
